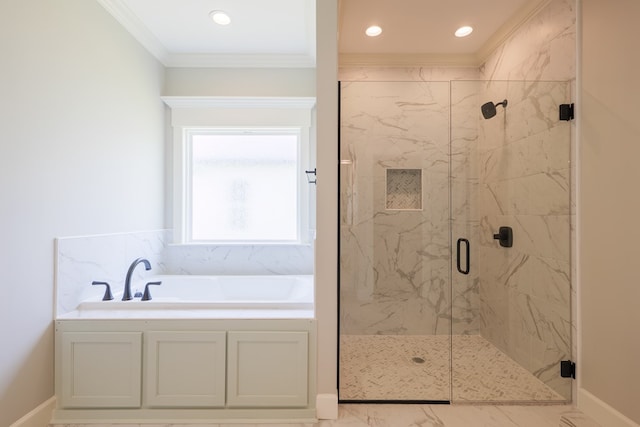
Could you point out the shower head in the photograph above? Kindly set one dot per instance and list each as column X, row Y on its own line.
column 489, row 109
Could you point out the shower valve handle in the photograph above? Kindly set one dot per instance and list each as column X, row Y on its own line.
column 505, row 236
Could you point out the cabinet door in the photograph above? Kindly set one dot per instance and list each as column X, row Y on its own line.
column 101, row 369
column 185, row 369
column 267, row 369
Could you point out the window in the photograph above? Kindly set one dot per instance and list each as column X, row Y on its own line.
column 239, row 174
column 243, row 185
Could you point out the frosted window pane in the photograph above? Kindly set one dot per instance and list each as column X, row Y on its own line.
column 244, row 187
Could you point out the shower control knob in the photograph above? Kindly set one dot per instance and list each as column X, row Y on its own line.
column 505, row 237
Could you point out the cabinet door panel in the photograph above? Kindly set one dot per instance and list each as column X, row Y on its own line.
column 101, row 369
column 185, row 369
column 267, row 369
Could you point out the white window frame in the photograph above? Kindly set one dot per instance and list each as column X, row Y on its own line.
column 231, row 114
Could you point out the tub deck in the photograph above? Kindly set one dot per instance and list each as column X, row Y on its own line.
column 189, row 313
column 209, row 297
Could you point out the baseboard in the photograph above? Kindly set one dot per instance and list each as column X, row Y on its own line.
column 601, row 412
column 327, row 406
column 39, row 417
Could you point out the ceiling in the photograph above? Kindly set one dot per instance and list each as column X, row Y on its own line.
column 281, row 33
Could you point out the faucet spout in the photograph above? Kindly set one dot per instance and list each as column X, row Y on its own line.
column 126, row 296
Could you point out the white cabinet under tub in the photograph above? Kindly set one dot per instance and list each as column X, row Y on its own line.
column 267, row 369
column 185, row 369
column 100, row 370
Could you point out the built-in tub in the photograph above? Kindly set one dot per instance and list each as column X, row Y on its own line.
column 266, row 296
column 203, row 348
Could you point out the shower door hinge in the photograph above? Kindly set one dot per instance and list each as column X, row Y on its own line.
column 566, row 112
column 568, row 369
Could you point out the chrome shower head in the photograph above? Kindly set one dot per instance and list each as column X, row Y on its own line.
column 489, row 109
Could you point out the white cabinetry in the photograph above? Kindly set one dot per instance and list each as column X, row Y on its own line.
column 152, row 370
column 101, row 369
column 267, row 369
column 184, row 369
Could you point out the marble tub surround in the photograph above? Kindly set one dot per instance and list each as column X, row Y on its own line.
column 239, row 259
column 81, row 260
column 460, row 368
column 106, row 258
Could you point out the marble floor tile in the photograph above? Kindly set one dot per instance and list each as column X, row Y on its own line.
column 361, row 415
column 420, row 367
column 365, row 415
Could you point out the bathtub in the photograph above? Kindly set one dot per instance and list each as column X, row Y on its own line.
column 203, row 348
column 268, row 296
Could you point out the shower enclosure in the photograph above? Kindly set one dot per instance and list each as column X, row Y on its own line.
column 432, row 307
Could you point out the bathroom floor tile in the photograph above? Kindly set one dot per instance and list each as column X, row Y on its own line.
column 388, row 415
column 361, row 415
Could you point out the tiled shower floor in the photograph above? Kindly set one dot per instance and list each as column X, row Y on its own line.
column 417, row 367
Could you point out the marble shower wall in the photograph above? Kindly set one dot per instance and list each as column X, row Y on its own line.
column 394, row 260
column 524, row 183
column 530, row 289
column 542, row 49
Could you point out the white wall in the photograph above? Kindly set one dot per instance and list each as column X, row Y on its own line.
column 81, row 152
column 327, row 200
column 609, row 211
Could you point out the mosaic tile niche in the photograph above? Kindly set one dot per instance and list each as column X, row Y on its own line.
column 404, row 189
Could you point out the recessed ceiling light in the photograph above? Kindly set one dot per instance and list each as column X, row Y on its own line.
column 464, row 31
column 373, row 31
column 220, row 17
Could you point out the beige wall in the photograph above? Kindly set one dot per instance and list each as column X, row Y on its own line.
column 609, row 204
column 81, row 152
column 240, row 82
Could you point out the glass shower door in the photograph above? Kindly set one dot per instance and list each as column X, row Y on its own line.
column 395, row 295
column 511, row 312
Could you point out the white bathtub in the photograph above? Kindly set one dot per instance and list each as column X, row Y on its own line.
column 220, row 295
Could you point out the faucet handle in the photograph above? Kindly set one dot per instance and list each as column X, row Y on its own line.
column 147, row 294
column 107, row 292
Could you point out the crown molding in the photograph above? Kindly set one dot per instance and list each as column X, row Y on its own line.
column 406, row 60
column 239, row 102
column 121, row 12
column 521, row 17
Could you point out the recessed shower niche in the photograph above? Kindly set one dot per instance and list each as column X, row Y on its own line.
column 404, row 189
